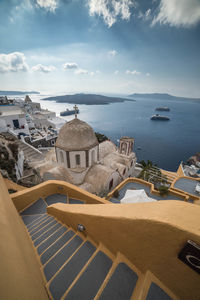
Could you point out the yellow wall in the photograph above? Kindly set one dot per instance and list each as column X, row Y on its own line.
column 24, row 198
column 20, row 276
column 12, row 185
column 150, row 235
column 180, row 171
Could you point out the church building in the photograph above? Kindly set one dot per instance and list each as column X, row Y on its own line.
column 79, row 159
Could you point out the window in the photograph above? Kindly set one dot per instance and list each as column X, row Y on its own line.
column 77, row 158
column 111, row 184
column 124, row 171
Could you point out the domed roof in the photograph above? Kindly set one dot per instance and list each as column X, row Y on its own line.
column 76, row 135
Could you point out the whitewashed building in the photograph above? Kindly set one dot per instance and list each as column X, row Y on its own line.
column 81, row 160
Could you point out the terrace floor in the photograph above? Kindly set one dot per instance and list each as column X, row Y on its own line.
column 139, row 186
column 187, row 185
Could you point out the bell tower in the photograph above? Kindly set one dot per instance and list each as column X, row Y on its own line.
column 126, row 145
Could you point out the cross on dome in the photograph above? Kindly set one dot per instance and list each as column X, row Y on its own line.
column 76, row 111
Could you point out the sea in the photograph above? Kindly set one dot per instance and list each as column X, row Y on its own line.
column 166, row 143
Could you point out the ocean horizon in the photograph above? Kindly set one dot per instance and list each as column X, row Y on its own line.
column 165, row 143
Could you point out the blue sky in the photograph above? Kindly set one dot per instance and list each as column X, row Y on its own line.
column 100, row 46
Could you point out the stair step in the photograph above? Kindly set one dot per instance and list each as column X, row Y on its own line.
column 68, row 273
column 51, row 240
column 37, row 222
column 92, row 278
column 56, row 246
column 38, row 233
column 38, row 207
column 156, row 293
column 41, row 225
column 75, row 201
column 121, row 284
column 59, row 259
column 46, row 234
column 55, row 198
column 28, row 220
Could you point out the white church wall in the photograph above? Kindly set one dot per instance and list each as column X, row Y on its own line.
column 115, row 178
column 72, row 157
column 61, row 157
column 78, row 177
column 93, row 155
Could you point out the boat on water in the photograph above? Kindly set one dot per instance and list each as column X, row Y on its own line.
column 69, row 112
column 162, row 108
column 158, row 117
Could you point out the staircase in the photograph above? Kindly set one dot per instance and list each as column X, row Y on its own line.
column 75, row 267
column 30, row 152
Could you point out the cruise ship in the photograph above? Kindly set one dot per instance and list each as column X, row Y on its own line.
column 162, row 108
column 158, row 117
column 69, row 112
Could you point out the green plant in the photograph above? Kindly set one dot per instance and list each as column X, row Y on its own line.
column 14, row 149
column 163, row 190
column 116, row 194
column 101, row 137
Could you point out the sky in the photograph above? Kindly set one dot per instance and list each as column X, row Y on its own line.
column 100, row 46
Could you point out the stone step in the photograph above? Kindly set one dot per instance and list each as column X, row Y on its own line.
column 51, row 240
column 51, row 251
column 69, row 272
column 46, row 234
column 41, row 225
column 87, row 286
column 29, row 220
column 40, row 232
column 121, row 284
column 37, row 222
column 38, row 207
column 61, row 257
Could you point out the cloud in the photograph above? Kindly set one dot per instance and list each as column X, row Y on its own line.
column 43, row 69
column 110, row 10
column 13, row 62
column 147, row 74
column 116, row 72
column 81, row 72
column 134, row 72
column 49, row 5
column 184, row 13
column 112, row 52
column 145, row 16
column 67, row 66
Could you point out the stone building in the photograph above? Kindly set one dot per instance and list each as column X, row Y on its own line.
column 79, row 159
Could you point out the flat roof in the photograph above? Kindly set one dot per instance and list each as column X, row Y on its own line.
column 187, row 185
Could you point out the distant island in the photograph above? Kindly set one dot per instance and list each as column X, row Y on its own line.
column 13, row 93
column 88, row 99
column 161, row 96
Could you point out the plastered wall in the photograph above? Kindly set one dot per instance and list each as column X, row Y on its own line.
column 20, row 276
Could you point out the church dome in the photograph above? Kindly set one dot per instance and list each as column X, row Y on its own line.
column 76, row 135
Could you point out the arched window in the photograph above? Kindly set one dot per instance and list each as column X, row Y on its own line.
column 111, row 184
column 124, row 147
column 124, row 171
column 77, row 158
column 61, row 157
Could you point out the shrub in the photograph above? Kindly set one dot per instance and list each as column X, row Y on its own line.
column 116, row 194
column 163, row 190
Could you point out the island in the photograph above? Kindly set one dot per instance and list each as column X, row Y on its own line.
column 161, row 96
column 13, row 93
column 88, row 99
